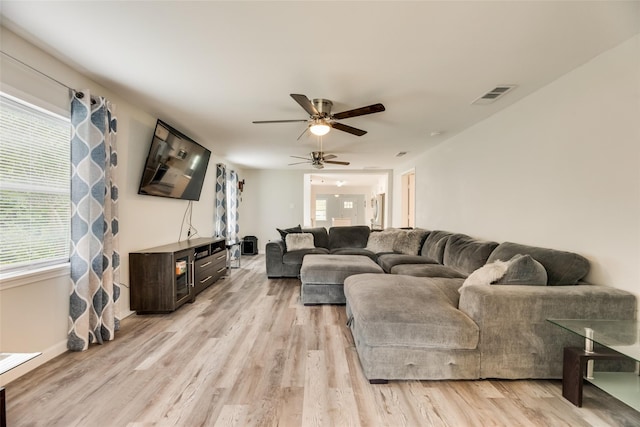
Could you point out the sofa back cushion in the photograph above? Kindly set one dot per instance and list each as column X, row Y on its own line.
column 563, row 268
column 353, row 236
column 466, row 254
column 434, row 244
column 320, row 236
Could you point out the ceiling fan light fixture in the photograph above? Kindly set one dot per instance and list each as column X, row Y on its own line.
column 319, row 128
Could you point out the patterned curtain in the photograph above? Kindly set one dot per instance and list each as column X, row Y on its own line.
column 221, row 200
column 95, row 259
column 226, row 209
column 232, row 213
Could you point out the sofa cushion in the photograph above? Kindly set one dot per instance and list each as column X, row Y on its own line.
column 409, row 241
column 388, row 261
column 434, row 245
column 295, row 257
column 523, row 270
column 353, row 236
column 466, row 254
column 355, row 251
column 382, row 241
column 427, row 270
column 563, row 268
column 400, row 311
column 320, row 236
column 297, row 241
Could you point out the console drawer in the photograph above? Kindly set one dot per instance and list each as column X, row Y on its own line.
column 209, row 269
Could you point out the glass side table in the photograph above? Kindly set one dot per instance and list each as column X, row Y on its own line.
column 234, row 246
column 8, row 361
column 620, row 339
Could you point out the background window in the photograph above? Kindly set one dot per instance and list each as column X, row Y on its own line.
column 34, row 186
column 321, row 209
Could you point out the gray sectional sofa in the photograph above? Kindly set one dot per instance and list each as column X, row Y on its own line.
column 418, row 321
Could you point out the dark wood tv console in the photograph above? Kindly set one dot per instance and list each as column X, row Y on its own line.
column 163, row 278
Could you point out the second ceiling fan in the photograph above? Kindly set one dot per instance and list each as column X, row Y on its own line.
column 317, row 159
column 321, row 120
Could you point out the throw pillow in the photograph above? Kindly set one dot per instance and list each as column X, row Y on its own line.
column 283, row 233
column 524, row 270
column 297, row 241
column 487, row 274
column 409, row 241
column 381, row 241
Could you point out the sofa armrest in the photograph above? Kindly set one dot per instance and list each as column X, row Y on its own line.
column 274, row 251
column 516, row 341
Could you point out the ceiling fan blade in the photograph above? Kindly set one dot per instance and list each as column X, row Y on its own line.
column 278, row 121
column 329, row 156
column 349, row 129
column 303, row 132
column 298, row 163
column 336, row 162
column 305, row 103
column 370, row 109
column 298, row 157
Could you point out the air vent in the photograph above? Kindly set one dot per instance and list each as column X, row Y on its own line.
column 493, row 95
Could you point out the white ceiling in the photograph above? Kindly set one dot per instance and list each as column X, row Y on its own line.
column 211, row 68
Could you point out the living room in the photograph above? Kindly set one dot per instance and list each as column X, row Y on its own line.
column 559, row 168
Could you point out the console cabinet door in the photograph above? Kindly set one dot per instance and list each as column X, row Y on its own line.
column 151, row 282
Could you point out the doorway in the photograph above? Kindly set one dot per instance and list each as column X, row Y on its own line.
column 327, row 193
column 408, row 192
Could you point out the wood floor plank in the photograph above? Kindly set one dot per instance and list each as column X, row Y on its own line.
column 316, row 389
column 246, row 352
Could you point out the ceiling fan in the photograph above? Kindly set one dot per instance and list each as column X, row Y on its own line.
column 317, row 159
column 321, row 120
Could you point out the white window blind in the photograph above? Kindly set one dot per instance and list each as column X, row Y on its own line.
column 34, row 186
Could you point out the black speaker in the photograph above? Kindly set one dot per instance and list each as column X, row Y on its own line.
column 249, row 245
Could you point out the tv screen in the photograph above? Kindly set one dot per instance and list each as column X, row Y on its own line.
column 176, row 165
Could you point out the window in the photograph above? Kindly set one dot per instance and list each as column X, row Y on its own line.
column 347, row 204
column 34, row 186
column 321, row 209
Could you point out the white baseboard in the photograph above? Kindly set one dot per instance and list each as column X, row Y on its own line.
column 47, row 354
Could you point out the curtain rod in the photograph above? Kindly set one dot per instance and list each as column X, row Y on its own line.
column 36, row 70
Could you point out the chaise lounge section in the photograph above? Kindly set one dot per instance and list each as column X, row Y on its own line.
column 431, row 328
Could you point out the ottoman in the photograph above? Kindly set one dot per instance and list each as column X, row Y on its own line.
column 323, row 276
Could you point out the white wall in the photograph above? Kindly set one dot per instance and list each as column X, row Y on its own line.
column 272, row 199
column 34, row 311
column 559, row 169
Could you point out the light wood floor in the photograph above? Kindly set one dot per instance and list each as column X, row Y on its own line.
column 248, row 353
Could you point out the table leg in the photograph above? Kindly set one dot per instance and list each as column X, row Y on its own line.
column 574, row 367
column 3, row 408
column 572, row 373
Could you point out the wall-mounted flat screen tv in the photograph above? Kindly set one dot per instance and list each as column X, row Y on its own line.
column 176, row 165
